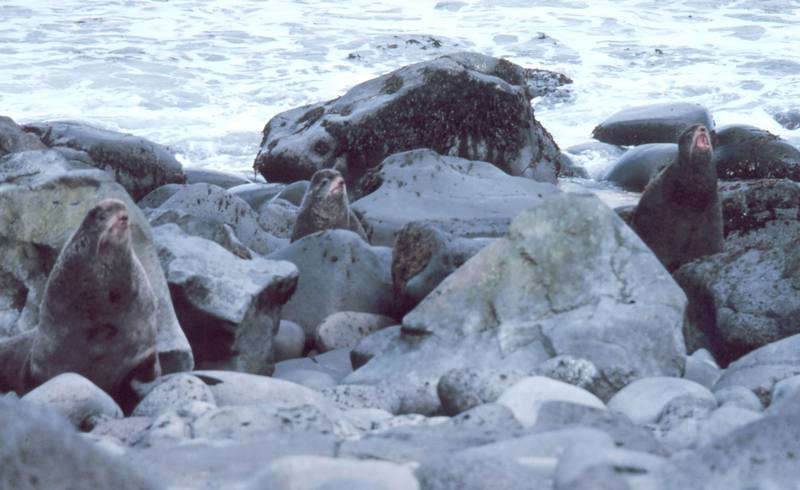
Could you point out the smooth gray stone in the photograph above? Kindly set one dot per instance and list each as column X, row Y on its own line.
column 215, row 203
column 655, row 123
column 338, row 272
column 569, row 272
column 171, row 393
column 462, row 197
column 212, row 465
column 256, row 194
column 139, row 165
column 230, row 307
column 225, row 180
column 372, row 345
column 76, row 398
column 39, row 449
column 762, row 454
column 637, row 167
column 321, row 473
column 643, row 400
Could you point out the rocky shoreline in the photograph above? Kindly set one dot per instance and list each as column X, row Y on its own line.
column 492, row 332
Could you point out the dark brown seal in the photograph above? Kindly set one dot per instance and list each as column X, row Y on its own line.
column 325, row 207
column 98, row 313
column 679, row 215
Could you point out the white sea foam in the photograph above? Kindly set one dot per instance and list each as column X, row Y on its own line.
column 204, row 76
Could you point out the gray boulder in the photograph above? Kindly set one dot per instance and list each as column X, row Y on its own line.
column 740, row 397
column 746, row 296
column 555, row 415
column 423, row 255
column 40, row 450
column 217, row 231
column 171, row 393
column 634, row 169
column 759, row 370
column 575, row 371
column 524, row 462
column 226, row 180
column 76, row 398
column 702, row 368
column 753, row 204
column 656, row 123
column 570, row 278
column 313, row 378
column 215, row 464
column 461, row 389
column 643, row 400
column 525, row 397
column 43, row 199
column 320, row 473
column 373, row 345
column 462, row 197
column 747, row 152
column 278, row 217
column 592, row 466
column 232, row 388
column 289, row 342
column 464, row 104
column 349, row 397
column 214, row 203
column 346, row 328
column 423, row 441
column 338, row 272
column 229, row 307
column 256, row 194
column 785, row 397
column 139, row 165
column 14, row 139
column 687, row 423
column 247, row 422
column 762, row 454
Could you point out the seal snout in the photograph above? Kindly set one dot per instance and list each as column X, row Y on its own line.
column 337, row 185
column 702, row 140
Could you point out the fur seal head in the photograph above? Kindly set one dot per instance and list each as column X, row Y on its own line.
column 324, row 205
column 98, row 314
column 694, row 146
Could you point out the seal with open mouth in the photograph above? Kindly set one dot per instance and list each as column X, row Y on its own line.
column 679, row 215
column 98, row 313
column 325, row 207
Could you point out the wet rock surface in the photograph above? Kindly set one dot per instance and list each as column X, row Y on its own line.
column 657, row 123
column 446, row 104
column 139, row 165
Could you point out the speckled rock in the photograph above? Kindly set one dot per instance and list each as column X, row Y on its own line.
column 139, row 165
column 447, row 104
column 173, row 392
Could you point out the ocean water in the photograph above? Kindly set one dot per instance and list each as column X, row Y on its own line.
column 204, row 76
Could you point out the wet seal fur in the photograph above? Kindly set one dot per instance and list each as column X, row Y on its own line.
column 679, row 215
column 97, row 317
column 325, row 207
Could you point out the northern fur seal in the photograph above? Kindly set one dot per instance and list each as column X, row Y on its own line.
column 679, row 215
column 98, row 313
column 325, row 207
